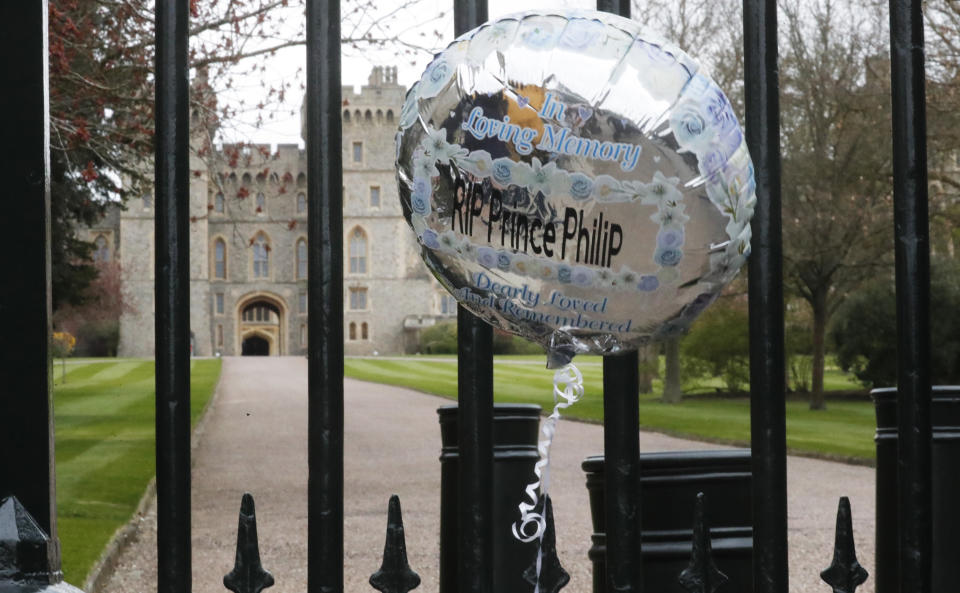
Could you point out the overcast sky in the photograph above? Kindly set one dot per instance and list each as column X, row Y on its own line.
column 284, row 127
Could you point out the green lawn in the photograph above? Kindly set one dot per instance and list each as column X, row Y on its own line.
column 104, row 414
column 845, row 430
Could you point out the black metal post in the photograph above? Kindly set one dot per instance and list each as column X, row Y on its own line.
column 26, row 413
column 325, row 311
column 913, row 294
column 767, row 372
column 475, row 411
column 172, row 174
column 621, row 447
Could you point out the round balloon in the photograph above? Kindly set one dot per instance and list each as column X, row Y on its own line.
column 575, row 181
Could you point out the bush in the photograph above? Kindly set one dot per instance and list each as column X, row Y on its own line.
column 865, row 330
column 98, row 338
column 798, row 342
column 439, row 339
column 718, row 344
column 442, row 339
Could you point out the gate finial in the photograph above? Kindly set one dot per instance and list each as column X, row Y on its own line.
column 552, row 575
column 701, row 575
column 248, row 575
column 395, row 575
column 844, row 574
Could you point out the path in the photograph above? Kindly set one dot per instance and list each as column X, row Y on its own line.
column 255, row 439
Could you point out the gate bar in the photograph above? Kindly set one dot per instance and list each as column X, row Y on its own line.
column 172, row 174
column 325, row 308
column 767, row 363
column 621, row 446
column 913, row 294
column 474, row 412
column 621, row 450
column 26, row 419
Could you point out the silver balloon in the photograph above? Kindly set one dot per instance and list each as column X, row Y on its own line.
column 575, row 181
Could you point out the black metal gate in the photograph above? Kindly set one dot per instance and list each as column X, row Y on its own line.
column 26, row 453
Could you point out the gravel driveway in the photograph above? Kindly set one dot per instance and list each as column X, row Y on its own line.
column 255, row 439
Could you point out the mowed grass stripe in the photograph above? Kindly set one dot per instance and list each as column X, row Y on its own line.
column 845, row 430
column 104, row 418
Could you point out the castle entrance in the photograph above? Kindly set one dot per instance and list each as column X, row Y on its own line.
column 255, row 346
column 260, row 327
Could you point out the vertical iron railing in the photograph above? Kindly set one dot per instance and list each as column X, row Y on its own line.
column 768, row 388
column 912, row 252
column 172, row 178
column 26, row 414
column 325, row 287
column 475, row 412
column 621, row 448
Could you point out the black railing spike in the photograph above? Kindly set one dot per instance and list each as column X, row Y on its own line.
column 844, row 574
column 552, row 575
column 395, row 575
column 701, row 575
column 248, row 575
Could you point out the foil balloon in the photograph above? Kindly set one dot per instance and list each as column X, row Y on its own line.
column 575, row 181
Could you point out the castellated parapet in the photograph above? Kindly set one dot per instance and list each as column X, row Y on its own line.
column 248, row 232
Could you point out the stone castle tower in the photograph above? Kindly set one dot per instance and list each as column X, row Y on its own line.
column 248, row 238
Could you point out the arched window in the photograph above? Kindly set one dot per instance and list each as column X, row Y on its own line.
column 218, row 203
column 358, row 251
column 246, row 179
column 389, row 116
column 302, row 180
column 233, row 179
column 346, row 115
column 301, row 259
column 219, row 259
column 301, row 203
column 364, row 335
column 357, row 115
column 353, row 331
column 261, row 179
column 379, row 116
column 368, row 116
column 261, row 257
column 101, row 251
column 261, row 202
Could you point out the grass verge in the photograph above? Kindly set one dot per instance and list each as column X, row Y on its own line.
column 843, row 431
column 104, row 415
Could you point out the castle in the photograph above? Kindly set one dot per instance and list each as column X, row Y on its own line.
column 248, row 233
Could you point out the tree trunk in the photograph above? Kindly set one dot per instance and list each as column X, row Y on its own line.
column 672, row 391
column 647, row 359
column 819, row 304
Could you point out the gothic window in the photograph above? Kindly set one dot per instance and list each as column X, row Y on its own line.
column 389, row 116
column 261, row 202
column 218, row 303
column 374, row 196
column 301, row 259
column 246, row 179
column 379, row 116
column 261, row 257
column 261, row 179
column 101, row 252
column 353, row 331
column 368, row 117
column 346, row 116
column 219, row 259
column 218, row 203
column 301, row 180
column 358, row 299
column 357, row 115
column 448, row 304
column 303, row 302
column 358, row 251
column 301, row 203
column 364, row 334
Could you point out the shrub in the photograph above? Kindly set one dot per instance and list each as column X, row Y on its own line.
column 439, row 339
column 98, row 338
column 718, row 344
column 865, row 330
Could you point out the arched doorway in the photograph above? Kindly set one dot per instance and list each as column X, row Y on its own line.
column 260, row 325
column 255, row 345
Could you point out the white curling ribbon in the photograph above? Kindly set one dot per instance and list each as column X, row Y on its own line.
column 567, row 390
